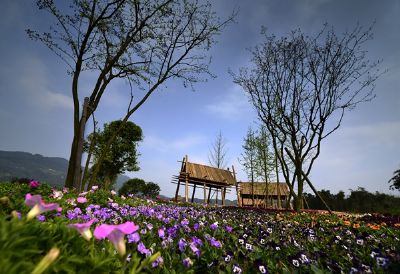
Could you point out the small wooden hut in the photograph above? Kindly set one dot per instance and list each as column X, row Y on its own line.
column 209, row 178
column 256, row 194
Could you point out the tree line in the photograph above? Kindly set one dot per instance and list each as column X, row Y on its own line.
column 359, row 201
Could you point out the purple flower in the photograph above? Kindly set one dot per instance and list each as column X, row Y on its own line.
column 38, row 206
column 194, row 249
column 133, row 238
column 197, row 241
column 158, row 261
column 143, row 250
column 182, row 244
column 215, row 243
column 228, row 229
column 116, row 233
column 214, row 226
column 41, row 218
column 161, row 233
column 185, row 222
column 83, row 229
column 236, row 269
column 196, row 226
column 34, row 184
column 187, row 262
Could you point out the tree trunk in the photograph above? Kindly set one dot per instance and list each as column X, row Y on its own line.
column 278, row 187
column 74, row 174
column 71, row 164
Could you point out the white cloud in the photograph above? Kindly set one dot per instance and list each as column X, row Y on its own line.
column 232, row 106
column 181, row 144
column 28, row 77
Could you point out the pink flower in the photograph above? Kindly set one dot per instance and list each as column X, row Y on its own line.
column 81, row 200
column 34, row 184
column 38, row 206
column 116, row 233
column 84, row 229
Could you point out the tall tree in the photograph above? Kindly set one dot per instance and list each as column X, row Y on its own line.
column 265, row 159
column 301, row 87
column 217, row 154
column 249, row 158
column 120, row 157
column 395, row 180
column 144, row 42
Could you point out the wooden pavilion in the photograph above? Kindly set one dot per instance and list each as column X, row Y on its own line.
column 257, row 195
column 209, row 178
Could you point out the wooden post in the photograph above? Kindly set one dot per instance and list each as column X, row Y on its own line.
column 177, row 191
column 209, row 194
column 183, row 168
column 194, row 190
column 237, row 187
column 205, row 192
column 223, row 196
column 187, row 189
column 216, row 197
column 187, row 181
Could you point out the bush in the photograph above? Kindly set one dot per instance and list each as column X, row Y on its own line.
column 139, row 187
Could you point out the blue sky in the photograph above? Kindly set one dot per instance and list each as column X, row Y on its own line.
column 36, row 104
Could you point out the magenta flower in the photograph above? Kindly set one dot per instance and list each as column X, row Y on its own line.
column 38, row 206
column 116, row 233
column 81, row 200
column 84, row 229
column 34, row 184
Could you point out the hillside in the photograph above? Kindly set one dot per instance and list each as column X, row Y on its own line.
column 52, row 170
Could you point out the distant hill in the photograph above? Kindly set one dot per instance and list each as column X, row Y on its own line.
column 51, row 170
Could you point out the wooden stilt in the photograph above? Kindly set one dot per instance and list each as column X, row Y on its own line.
column 205, row 192
column 216, row 197
column 177, row 191
column 209, row 194
column 194, row 190
column 223, row 196
column 187, row 189
column 240, row 203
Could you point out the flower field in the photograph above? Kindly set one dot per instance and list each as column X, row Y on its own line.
column 47, row 230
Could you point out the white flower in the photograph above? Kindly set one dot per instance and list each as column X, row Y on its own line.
column 295, row 263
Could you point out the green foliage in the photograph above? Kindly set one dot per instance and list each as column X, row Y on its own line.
column 395, row 180
column 359, row 200
column 140, row 187
column 122, row 154
column 249, row 155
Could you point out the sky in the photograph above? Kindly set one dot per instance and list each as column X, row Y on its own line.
column 36, row 101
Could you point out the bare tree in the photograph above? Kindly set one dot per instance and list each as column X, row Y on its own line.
column 144, row 42
column 217, row 155
column 302, row 86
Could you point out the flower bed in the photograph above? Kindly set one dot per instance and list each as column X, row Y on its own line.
column 133, row 235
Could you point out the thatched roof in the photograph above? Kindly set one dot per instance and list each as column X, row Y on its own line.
column 259, row 188
column 198, row 173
